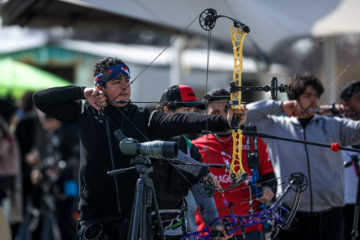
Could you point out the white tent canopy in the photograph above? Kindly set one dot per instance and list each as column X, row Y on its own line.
column 273, row 24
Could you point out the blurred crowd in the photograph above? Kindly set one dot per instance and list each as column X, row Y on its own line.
column 39, row 162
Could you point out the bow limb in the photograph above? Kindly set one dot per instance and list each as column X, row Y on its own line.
column 282, row 216
column 298, row 183
column 236, row 168
column 239, row 223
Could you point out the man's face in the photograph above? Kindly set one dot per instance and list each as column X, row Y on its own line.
column 354, row 105
column 309, row 100
column 116, row 86
column 218, row 107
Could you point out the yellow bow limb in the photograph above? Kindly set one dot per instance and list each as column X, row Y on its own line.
column 237, row 36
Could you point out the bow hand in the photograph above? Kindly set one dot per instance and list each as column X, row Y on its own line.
column 267, row 195
column 221, row 233
column 237, row 117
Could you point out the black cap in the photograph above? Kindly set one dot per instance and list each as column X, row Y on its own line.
column 216, row 94
column 182, row 94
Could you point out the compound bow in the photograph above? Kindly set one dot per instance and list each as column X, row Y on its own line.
column 282, row 216
column 207, row 21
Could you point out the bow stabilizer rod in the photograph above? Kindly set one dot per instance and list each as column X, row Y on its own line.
column 273, row 88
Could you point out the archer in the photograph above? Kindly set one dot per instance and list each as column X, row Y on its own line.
column 255, row 160
column 321, row 207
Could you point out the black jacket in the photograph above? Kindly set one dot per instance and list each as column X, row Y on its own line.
column 100, row 193
column 171, row 184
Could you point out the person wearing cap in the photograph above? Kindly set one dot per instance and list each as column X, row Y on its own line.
column 218, row 148
column 171, row 191
column 350, row 108
column 179, row 98
column 322, row 202
column 106, row 200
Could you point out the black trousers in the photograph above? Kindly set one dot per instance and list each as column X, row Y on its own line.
column 327, row 225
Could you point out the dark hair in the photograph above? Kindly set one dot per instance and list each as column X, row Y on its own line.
column 349, row 90
column 216, row 94
column 299, row 82
column 27, row 103
column 171, row 106
column 102, row 65
column 7, row 109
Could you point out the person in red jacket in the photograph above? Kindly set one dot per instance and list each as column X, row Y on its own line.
column 218, row 148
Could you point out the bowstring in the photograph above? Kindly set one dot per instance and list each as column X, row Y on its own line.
column 347, row 67
column 343, row 71
column 171, row 42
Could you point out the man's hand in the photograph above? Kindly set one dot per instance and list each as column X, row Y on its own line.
column 36, row 176
column 291, row 108
column 267, row 195
column 221, row 228
column 237, row 113
column 32, row 158
column 216, row 180
column 340, row 108
column 95, row 97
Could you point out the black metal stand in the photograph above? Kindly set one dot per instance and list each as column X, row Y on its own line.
column 144, row 199
column 355, row 233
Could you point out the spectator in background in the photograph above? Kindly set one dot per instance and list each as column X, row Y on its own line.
column 32, row 138
column 218, row 148
column 322, row 202
column 10, row 176
column 57, row 175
